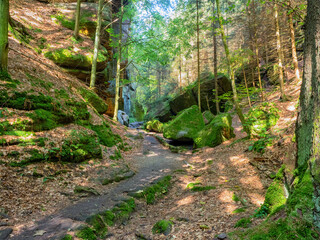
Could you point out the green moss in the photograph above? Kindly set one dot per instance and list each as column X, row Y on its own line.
column 301, row 198
column 185, row 126
column 123, row 210
column 207, row 117
column 36, row 156
column 243, row 223
column 216, row 132
column 19, row 133
column 8, row 81
column 98, row 225
column 36, row 82
column 117, row 155
column 83, row 189
column 239, row 210
column 13, row 154
column 150, row 194
column 154, row 126
column 162, row 226
column 43, row 120
column 67, row 237
column 94, row 100
column 61, row 93
column 106, row 136
column 70, row 23
column 108, row 217
column 195, row 187
column 275, row 197
column 86, row 233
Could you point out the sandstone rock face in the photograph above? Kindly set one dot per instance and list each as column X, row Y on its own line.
column 185, row 126
column 123, row 118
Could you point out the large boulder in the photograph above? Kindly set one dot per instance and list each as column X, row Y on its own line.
column 154, row 126
column 185, row 126
column 207, row 117
column 167, row 109
column 216, row 132
column 123, row 118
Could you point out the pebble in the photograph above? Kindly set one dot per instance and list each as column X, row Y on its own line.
column 222, row 236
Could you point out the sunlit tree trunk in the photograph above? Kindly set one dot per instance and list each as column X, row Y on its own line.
column 198, row 52
column 180, row 73
column 96, row 46
column 279, row 50
column 308, row 123
column 293, row 46
column 215, row 60
column 4, row 44
column 231, row 74
column 256, row 48
column 77, row 20
column 116, row 103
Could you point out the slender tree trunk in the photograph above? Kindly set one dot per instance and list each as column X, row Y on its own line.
column 116, row 101
column 96, row 46
column 215, row 61
column 4, row 44
column 256, row 48
column 159, row 83
column 293, row 46
column 279, row 50
column 245, row 82
column 231, row 74
column 77, row 20
column 308, row 122
column 198, row 52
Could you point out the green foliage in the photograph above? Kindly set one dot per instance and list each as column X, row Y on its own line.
column 239, row 210
column 43, row 120
column 260, row 119
column 70, row 23
column 108, row 217
column 162, row 226
column 8, row 81
column 260, row 145
column 123, row 210
column 98, row 224
column 94, row 100
column 243, row 223
column 105, row 135
column 67, row 237
column 150, row 194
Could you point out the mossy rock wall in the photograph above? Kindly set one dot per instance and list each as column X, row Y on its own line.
column 185, row 126
column 154, row 126
column 97, row 102
column 216, row 132
column 207, row 117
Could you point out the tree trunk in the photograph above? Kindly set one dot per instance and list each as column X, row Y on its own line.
column 116, row 100
column 231, row 74
column 180, row 73
column 77, row 20
column 198, row 52
column 245, row 82
column 256, row 48
column 215, row 60
column 279, row 50
column 308, row 123
column 96, row 46
column 293, row 46
column 4, row 44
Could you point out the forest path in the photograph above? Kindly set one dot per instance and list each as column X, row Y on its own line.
column 152, row 162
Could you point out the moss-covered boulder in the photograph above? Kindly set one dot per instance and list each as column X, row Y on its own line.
column 216, row 132
column 185, row 126
column 260, row 119
column 68, row 58
column 97, row 102
column 154, row 126
column 162, row 226
column 207, row 117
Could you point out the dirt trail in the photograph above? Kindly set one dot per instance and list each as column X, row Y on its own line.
column 151, row 164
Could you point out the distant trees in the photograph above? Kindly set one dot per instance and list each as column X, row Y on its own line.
column 4, row 45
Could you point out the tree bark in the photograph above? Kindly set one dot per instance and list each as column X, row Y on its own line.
column 279, row 50
column 116, row 101
column 198, row 52
column 96, row 46
column 215, row 60
column 77, row 20
column 231, row 74
column 4, row 43
column 293, row 46
column 246, row 84
column 308, row 122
